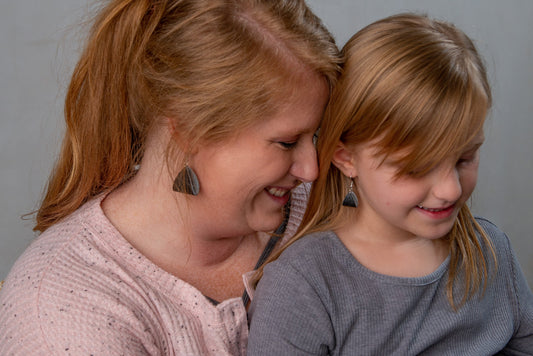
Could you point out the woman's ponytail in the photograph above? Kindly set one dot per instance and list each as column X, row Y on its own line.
column 104, row 113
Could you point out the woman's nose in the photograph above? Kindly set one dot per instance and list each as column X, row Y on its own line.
column 305, row 164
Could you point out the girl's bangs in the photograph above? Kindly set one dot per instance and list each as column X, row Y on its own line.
column 426, row 131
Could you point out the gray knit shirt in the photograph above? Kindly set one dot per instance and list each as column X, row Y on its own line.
column 316, row 299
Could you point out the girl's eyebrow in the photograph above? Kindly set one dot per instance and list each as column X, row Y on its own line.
column 474, row 145
column 476, row 142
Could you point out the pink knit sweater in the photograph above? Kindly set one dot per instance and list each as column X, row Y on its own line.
column 80, row 288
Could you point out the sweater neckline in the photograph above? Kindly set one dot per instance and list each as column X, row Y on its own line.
column 350, row 260
column 140, row 265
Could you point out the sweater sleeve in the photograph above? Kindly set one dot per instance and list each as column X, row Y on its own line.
column 287, row 316
column 44, row 317
column 515, row 289
column 522, row 341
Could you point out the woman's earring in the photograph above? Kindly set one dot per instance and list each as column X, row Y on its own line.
column 351, row 199
column 186, row 182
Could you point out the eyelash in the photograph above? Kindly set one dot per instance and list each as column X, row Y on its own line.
column 292, row 144
column 468, row 158
column 288, row 145
column 461, row 161
column 465, row 160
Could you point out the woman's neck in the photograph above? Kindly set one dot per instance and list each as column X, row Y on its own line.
column 158, row 223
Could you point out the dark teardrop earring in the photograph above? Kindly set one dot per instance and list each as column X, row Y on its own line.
column 351, row 199
column 186, row 182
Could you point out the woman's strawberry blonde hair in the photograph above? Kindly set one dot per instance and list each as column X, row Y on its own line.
column 413, row 84
column 213, row 67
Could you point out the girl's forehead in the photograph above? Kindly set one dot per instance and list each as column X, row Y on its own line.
column 415, row 156
column 478, row 139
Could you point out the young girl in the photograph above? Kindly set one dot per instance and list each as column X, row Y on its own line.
column 189, row 126
column 394, row 262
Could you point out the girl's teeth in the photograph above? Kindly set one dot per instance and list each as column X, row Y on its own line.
column 430, row 210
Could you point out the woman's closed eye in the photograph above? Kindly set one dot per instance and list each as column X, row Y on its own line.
column 288, row 145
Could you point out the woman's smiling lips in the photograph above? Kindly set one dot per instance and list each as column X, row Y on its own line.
column 280, row 195
column 437, row 213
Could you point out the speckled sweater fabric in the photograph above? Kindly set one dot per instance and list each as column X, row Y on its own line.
column 81, row 289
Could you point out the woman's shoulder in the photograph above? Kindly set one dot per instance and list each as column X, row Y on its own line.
column 60, row 268
column 65, row 242
column 48, row 283
column 76, row 281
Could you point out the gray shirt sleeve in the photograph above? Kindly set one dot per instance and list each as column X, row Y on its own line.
column 299, row 325
column 522, row 340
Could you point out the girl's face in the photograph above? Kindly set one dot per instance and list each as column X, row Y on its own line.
column 408, row 207
column 245, row 181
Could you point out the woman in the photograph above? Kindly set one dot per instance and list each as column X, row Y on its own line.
column 189, row 124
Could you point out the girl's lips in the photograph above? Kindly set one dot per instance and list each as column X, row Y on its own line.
column 438, row 213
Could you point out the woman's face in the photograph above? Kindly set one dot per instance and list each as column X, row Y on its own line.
column 246, row 180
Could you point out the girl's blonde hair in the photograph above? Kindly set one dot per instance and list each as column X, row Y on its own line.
column 213, row 67
column 413, row 84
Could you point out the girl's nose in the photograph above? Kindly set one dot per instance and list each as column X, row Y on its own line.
column 447, row 185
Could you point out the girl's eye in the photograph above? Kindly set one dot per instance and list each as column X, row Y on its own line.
column 470, row 156
column 288, row 145
column 465, row 160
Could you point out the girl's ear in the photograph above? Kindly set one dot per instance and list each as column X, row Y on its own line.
column 344, row 159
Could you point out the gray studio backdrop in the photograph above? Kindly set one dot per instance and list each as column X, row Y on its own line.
column 39, row 44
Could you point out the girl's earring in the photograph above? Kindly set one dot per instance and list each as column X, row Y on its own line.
column 351, row 199
column 186, row 182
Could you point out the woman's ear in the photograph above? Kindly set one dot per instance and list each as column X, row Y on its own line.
column 344, row 160
column 172, row 129
column 178, row 138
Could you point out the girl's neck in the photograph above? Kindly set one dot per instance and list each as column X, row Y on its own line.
column 399, row 256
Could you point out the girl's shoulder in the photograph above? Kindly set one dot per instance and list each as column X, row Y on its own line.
column 315, row 243
column 487, row 224
column 315, row 252
column 506, row 265
column 498, row 238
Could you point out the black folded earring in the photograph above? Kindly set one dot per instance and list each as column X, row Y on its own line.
column 186, row 182
column 351, row 199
